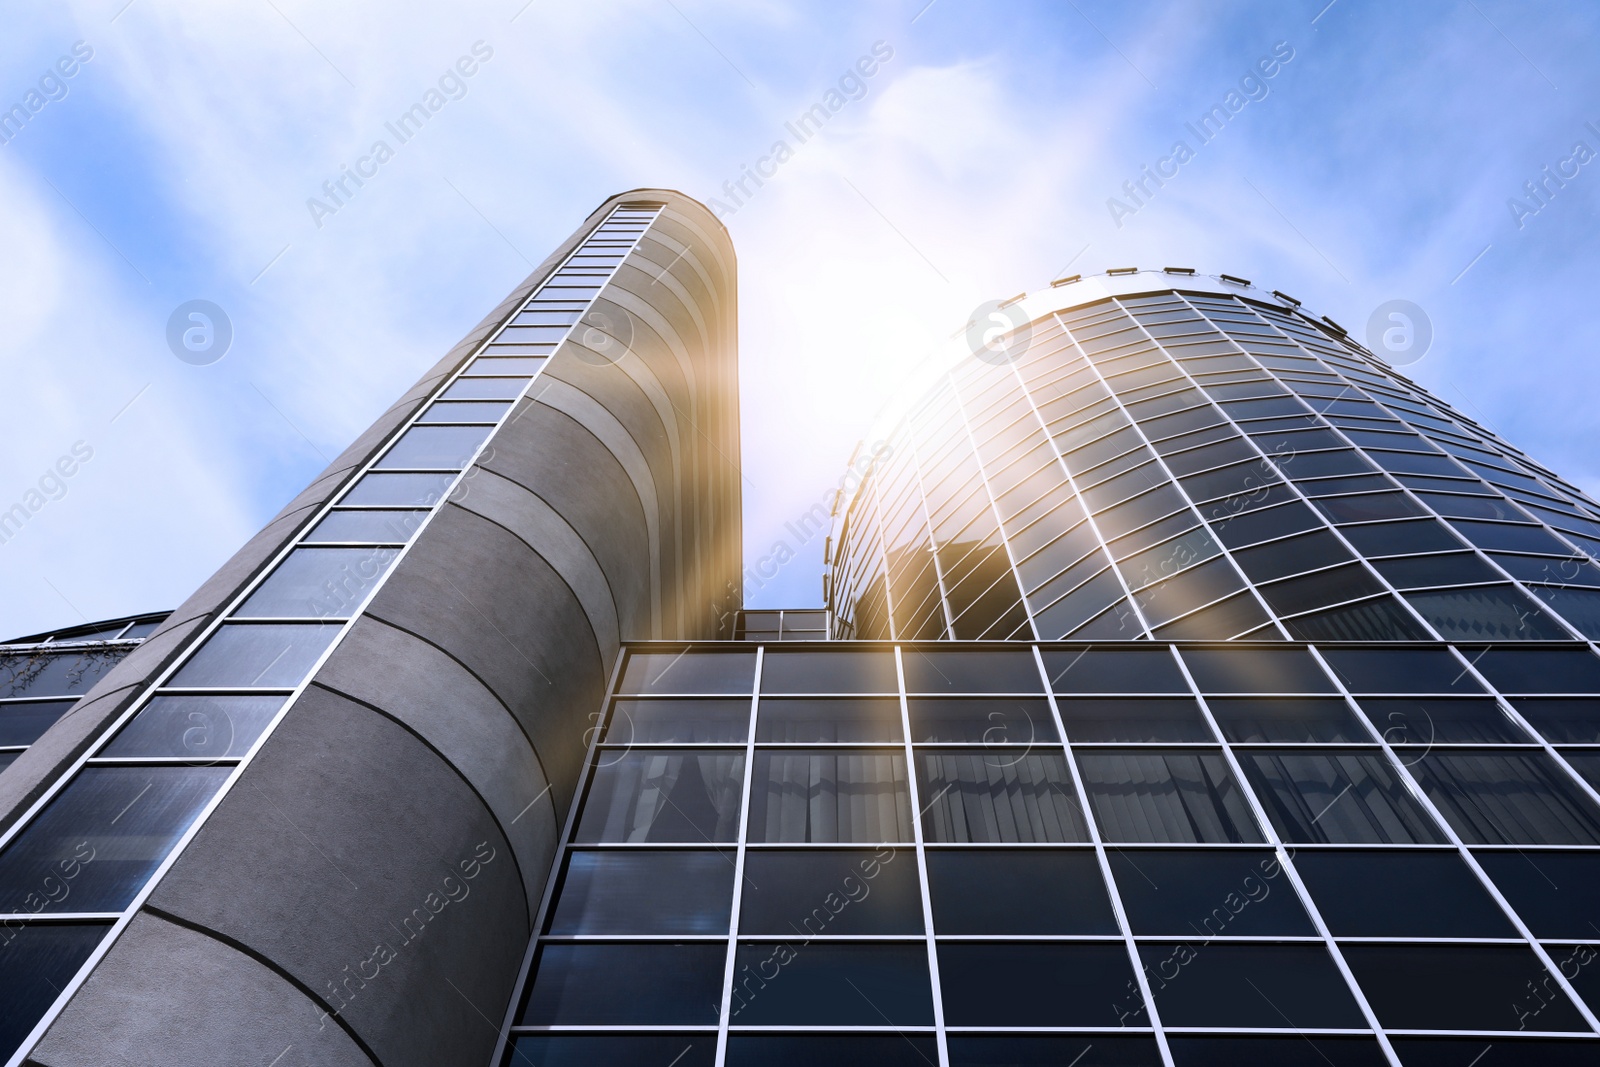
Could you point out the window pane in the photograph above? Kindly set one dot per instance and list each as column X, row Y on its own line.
column 1527, row 670
column 1411, row 670
column 970, row 672
column 22, row 723
column 465, row 411
column 97, row 843
column 830, row 795
column 1486, row 611
column 641, row 892
column 1277, row 1052
column 1445, row 721
column 265, row 655
column 196, row 727
column 1286, row 670
column 1460, row 987
column 1165, row 797
column 1021, row 891
column 801, row 721
column 438, row 447
column 828, row 672
column 1099, row 670
column 614, row 1050
column 1553, row 892
column 1570, row 721
column 1082, row 1050
column 657, row 984
column 485, row 389
column 1207, row 893
column 1508, row 798
column 1398, row 893
column 49, row 674
column 695, row 722
column 836, row 1050
column 832, row 985
column 664, row 796
column 37, row 961
column 1525, row 1052
column 1133, row 719
column 1037, row 985
column 1287, row 719
column 818, row 892
column 391, row 527
column 1230, row 985
column 398, row 490
column 319, row 583
column 1401, row 538
column 991, row 722
column 998, row 797
column 1339, row 796
column 689, row 672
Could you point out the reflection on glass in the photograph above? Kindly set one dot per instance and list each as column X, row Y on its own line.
column 1018, row 891
column 381, row 527
column 643, row 892
column 1508, row 798
column 691, row 722
column 689, row 672
column 1165, row 797
column 101, row 838
column 799, row 720
column 834, row 985
column 22, row 723
column 196, row 727
column 998, row 796
column 824, row 892
column 37, row 961
column 614, row 1050
column 664, row 796
column 438, row 447
column 1005, row 721
column 1337, row 796
column 256, row 655
column 1295, row 720
column 829, row 795
column 1133, row 719
column 319, row 583
column 398, row 490
column 659, row 984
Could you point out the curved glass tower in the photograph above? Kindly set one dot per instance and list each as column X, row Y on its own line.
column 1160, row 454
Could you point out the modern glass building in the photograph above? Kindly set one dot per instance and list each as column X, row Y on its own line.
column 1192, row 689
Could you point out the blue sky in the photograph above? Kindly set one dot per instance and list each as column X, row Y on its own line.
column 1377, row 163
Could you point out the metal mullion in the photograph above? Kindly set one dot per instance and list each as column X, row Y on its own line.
column 1285, row 862
column 927, row 519
column 1413, row 498
column 919, row 850
column 1172, row 479
column 1072, row 484
column 1462, row 850
column 1113, row 893
column 724, row 1019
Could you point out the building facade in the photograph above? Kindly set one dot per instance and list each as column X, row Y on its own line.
column 1192, row 690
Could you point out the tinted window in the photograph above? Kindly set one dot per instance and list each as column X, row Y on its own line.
column 1508, row 798
column 1336, row 796
column 37, row 961
column 802, row 721
column 678, row 722
column 830, row 795
column 1519, row 670
column 1411, row 670
column 689, row 672
column 590, row 984
column 1133, row 719
column 991, row 722
column 826, row 891
column 319, row 583
column 1460, row 987
column 1292, row 556
column 1223, row 984
column 268, row 655
column 970, row 672
column 643, row 892
column 46, row 674
column 840, row 1050
column 1022, row 891
column 1288, row 719
column 1499, row 1052
column 1165, row 797
column 1443, row 721
column 1091, row 1050
column 196, row 727
column 1302, row 1051
column 102, row 837
column 1286, row 670
column 23, row 722
column 1396, row 538
column 1035, row 985
column 1098, row 670
column 998, row 796
column 822, row 984
column 1207, row 893
column 1400, row 894
column 1553, row 892
column 1571, row 721
column 393, row 527
column 664, row 796
column 828, row 672
column 398, row 490
column 614, row 1050
column 442, row 447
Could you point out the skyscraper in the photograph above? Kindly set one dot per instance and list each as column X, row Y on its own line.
column 1199, row 691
